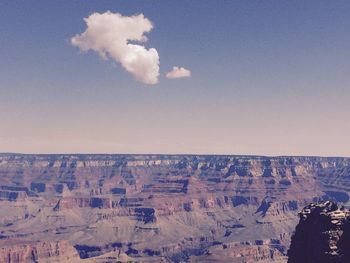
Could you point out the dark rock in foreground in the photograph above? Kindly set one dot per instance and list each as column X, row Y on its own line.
column 322, row 235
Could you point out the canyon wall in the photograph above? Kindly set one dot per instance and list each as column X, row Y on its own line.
column 322, row 235
column 160, row 208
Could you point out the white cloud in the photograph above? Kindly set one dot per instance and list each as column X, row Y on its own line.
column 109, row 34
column 178, row 72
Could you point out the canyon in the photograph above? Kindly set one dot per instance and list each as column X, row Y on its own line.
column 159, row 208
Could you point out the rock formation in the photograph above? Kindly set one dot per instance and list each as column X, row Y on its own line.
column 59, row 251
column 322, row 235
column 154, row 208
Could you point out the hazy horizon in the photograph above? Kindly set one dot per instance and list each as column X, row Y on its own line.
column 170, row 154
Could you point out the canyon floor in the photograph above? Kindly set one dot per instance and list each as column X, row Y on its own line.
column 159, row 208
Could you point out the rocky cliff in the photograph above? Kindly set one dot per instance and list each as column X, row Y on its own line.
column 170, row 208
column 59, row 251
column 322, row 235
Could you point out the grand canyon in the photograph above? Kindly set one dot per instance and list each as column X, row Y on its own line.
column 159, row 208
column 174, row 131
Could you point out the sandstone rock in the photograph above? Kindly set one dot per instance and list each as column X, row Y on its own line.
column 59, row 251
column 322, row 235
column 154, row 208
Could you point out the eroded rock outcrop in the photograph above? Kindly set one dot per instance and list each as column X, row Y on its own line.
column 59, row 251
column 322, row 235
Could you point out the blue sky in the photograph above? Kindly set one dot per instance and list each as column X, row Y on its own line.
column 268, row 77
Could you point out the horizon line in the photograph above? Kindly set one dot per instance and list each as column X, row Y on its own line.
column 178, row 154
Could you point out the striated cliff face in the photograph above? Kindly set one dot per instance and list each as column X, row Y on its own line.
column 59, row 251
column 170, row 208
column 322, row 235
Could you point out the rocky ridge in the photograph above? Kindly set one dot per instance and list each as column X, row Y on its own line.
column 170, row 208
column 322, row 235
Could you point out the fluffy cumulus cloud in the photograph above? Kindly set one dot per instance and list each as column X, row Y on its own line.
column 178, row 72
column 119, row 37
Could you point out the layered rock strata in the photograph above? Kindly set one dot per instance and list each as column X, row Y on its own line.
column 170, row 208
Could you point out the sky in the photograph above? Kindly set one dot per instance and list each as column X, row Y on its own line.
column 250, row 77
